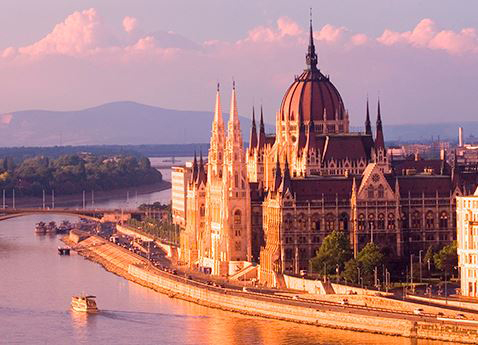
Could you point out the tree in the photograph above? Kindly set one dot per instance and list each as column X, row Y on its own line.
column 446, row 258
column 350, row 273
column 369, row 258
column 334, row 252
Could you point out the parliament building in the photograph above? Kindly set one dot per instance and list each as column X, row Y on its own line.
column 270, row 205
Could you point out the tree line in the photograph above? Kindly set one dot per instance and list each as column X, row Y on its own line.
column 73, row 173
column 335, row 258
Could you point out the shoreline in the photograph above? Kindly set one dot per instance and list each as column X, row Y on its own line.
column 137, row 269
column 72, row 200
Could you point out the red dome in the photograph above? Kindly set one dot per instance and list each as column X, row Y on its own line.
column 312, row 96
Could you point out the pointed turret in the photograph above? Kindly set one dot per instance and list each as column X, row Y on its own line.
column 302, row 137
column 201, row 175
column 216, row 146
column 379, row 142
column 262, row 132
column 285, row 184
column 217, row 109
column 253, row 136
column 194, row 174
column 368, row 125
column 277, row 175
column 311, row 140
column 311, row 57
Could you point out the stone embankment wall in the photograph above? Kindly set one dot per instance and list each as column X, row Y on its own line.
column 135, row 268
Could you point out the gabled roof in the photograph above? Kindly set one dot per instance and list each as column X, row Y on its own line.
column 351, row 146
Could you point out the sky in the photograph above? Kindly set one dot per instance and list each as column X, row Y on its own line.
column 420, row 57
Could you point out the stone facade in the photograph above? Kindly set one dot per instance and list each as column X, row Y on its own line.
column 276, row 201
column 467, row 231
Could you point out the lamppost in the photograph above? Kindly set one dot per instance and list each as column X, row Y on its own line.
column 411, row 270
column 420, row 261
column 358, row 277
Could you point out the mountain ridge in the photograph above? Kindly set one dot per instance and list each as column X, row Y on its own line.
column 133, row 123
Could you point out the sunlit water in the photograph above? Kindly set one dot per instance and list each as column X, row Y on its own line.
column 36, row 285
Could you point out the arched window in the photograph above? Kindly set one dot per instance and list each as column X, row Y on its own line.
column 405, row 220
column 381, row 192
column 416, row 220
column 289, row 220
column 202, row 211
column 237, row 217
column 443, row 220
column 391, row 221
column 381, row 221
column 430, row 220
column 371, row 221
column 302, row 222
column 361, row 221
column 344, row 222
column 315, row 222
column 370, row 192
column 329, row 222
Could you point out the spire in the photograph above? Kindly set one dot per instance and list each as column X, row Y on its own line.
column 285, row 184
column 311, row 142
column 379, row 142
column 302, row 138
column 217, row 109
column 233, row 117
column 311, row 57
column 201, row 174
column 277, row 174
column 194, row 168
column 253, row 136
column 262, row 132
column 368, row 125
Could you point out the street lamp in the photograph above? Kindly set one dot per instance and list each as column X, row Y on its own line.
column 420, row 260
column 411, row 269
column 358, row 272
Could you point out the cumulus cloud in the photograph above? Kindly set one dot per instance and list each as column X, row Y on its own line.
column 129, row 24
column 427, row 35
column 79, row 33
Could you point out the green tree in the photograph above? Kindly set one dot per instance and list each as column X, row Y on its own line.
column 350, row 273
column 446, row 258
column 369, row 258
column 334, row 251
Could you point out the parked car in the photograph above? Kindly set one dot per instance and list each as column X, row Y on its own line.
column 418, row 311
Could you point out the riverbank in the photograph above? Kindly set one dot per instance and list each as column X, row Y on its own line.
column 76, row 200
column 333, row 315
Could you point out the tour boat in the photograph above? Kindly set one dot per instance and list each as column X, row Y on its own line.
column 85, row 304
column 40, row 228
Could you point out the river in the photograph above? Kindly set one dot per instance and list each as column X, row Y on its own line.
column 36, row 286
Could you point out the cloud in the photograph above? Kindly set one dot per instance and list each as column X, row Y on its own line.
column 427, row 35
column 80, row 33
column 129, row 24
column 161, row 67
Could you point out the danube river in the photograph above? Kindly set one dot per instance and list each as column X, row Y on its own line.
column 36, row 286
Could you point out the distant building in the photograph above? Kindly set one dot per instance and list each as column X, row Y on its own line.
column 179, row 179
column 467, row 234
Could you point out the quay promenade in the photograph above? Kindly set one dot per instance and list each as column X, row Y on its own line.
column 289, row 308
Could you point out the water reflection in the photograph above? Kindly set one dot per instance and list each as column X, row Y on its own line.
column 36, row 286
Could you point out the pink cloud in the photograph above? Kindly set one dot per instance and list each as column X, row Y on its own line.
column 5, row 119
column 330, row 33
column 129, row 24
column 426, row 35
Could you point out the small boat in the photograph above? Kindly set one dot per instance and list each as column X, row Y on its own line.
column 85, row 304
column 64, row 227
column 40, row 228
column 51, row 227
column 64, row 250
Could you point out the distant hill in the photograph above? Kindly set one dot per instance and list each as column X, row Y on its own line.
column 125, row 123
column 130, row 123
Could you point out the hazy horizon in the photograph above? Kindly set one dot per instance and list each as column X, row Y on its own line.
column 420, row 58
